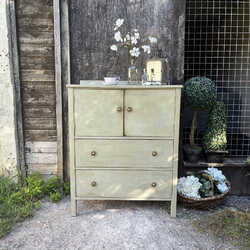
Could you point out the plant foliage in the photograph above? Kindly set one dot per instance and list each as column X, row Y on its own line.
column 199, row 93
column 215, row 137
column 52, row 185
column 18, row 203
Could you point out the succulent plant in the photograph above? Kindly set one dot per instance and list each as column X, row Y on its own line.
column 200, row 94
column 215, row 137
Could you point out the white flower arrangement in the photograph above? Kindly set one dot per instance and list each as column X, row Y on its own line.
column 216, row 174
column 131, row 40
column 190, row 186
column 219, row 179
column 222, row 187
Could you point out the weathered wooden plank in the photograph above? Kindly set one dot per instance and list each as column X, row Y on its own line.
column 28, row 21
column 37, row 38
column 40, row 135
column 36, row 112
column 40, row 123
column 40, row 147
column 34, row 16
column 36, row 46
column 58, row 79
column 37, row 63
column 44, row 169
column 41, row 158
column 38, row 87
column 16, row 79
column 31, row 7
column 43, row 99
column 29, row 28
column 31, row 49
column 65, row 44
column 38, row 75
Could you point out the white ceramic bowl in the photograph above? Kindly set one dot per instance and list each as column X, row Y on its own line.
column 110, row 80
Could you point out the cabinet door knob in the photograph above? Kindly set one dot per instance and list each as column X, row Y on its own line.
column 154, row 184
column 154, row 153
column 119, row 109
column 129, row 109
column 93, row 183
column 93, row 153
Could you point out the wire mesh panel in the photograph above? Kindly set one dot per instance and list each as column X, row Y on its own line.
column 217, row 45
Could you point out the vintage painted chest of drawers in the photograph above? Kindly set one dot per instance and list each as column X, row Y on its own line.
column 123, row 142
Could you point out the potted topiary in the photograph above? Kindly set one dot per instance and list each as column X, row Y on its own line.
column 200, row 94
column 215, row 137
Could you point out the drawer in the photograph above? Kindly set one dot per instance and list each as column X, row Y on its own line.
column 124, row 153
column 133, row 184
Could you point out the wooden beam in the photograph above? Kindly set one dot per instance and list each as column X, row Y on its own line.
column 65, row 50
column 17, row 89
column 58, row 79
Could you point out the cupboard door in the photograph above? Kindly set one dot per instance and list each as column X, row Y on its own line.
column 98, row 112
column 149, row 112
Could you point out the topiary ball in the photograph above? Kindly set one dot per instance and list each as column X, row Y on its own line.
column 199, row 93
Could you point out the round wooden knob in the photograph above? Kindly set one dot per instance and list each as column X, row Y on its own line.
column 93, row 183
column 129, row 109
column 154, row 153
column 119, row 109
column 93, row 153
column 154, row 184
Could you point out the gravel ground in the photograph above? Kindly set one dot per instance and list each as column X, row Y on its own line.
column 114, row 225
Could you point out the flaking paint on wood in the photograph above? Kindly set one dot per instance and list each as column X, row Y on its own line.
column 36, row 46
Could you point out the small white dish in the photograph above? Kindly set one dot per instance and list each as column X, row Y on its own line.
column 110, row 80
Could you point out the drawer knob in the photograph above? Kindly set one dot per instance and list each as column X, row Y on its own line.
column 129, row 109
column 93, row 183
column 93, row 153
column 154, row 184
column 154, row 153
column 119, row 109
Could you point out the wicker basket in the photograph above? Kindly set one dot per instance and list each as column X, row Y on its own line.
column 203, row 203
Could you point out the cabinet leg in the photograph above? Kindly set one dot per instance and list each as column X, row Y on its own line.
column 173, row 209
column 73, row 207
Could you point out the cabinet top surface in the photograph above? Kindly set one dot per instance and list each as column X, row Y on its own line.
column 121, row 85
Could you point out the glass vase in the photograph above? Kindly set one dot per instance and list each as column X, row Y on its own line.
column 133, row 73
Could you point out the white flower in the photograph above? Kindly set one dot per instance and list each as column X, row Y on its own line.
column 152, row 39
column 216, row 174
column 128, row 37
column 119, row 22
column 114, row 47
column 118, row 37
column 146, row 49
column 135, row 52
column 133, row 40
column 137, row 35
column 189, row 186
column 222, row 187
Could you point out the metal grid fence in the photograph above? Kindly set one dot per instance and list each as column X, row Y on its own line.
column 217, row 45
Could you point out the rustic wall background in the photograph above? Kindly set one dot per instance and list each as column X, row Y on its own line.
column 36, row 52
column 91, row 34
column 8, row 150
